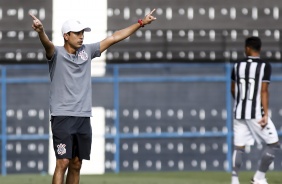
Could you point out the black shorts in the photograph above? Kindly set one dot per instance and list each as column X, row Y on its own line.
column 72, row 136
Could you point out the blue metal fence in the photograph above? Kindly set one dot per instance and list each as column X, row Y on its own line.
column 116, row 79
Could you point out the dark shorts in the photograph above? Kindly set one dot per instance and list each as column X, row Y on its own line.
column 72, row 137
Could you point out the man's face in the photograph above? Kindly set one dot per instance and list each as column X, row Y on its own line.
column 75, row 39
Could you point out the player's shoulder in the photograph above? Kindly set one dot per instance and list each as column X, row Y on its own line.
column 243, row 60
column 255, row 60
column 59, row 48
column 263, row 61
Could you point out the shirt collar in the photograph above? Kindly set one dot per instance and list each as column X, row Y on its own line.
column 253, row 57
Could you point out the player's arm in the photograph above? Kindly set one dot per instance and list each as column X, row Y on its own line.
column 264, row 97
column 233, row 83
column 265, row 94
column 233, row 89
column 264, row 101
column 126, row 32
column 47, row 44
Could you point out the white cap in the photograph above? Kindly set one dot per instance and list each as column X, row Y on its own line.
column 74, row 26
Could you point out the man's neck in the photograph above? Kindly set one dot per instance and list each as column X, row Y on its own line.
column 69, row 49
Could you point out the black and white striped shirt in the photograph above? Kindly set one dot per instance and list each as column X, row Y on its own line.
column 248, row 76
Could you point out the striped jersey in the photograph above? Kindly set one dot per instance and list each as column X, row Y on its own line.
column 248, row 76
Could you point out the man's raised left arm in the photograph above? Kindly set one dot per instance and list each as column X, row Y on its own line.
column 126, row 32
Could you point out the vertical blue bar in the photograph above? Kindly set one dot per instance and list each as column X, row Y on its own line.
column 229, row 115
column 116, row 107
column 4, row 122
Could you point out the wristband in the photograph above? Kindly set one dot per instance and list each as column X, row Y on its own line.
column 141, row 23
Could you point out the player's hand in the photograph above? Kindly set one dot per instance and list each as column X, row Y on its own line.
column 263, row 122
column 149, row 18
column 37, row 25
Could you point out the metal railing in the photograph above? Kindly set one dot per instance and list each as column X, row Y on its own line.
column 116, row 79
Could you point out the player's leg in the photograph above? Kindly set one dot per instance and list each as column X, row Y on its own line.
column 74, row 171
column 267, row 157
column 237, row 160
column 269, row 135
column 59, row 173
column 242, row 137
column 82, row 146
column 62, row 143
column 83, row 138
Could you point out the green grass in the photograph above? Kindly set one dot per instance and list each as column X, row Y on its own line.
column 146, row 178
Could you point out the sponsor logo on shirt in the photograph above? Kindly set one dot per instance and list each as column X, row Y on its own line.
column 83, row 55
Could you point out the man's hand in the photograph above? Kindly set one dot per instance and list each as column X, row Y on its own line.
column 47, row 44
column 263, row 122
column 37, row 25
column 149, row 18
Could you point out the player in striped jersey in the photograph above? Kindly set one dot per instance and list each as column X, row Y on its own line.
column 250, row 80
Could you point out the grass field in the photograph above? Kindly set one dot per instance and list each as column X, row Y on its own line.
column 146, row 178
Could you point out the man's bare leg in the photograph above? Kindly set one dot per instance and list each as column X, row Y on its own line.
column 59, row 174
column 74, row 171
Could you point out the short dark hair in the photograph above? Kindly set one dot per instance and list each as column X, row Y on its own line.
column 254, row 43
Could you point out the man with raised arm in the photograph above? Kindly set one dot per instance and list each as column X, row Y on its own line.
column 70, row 91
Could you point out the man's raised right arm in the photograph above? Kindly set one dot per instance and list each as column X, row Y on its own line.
column 47, row 44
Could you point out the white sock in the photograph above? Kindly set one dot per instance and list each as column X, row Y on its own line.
column 235, row 180
column 259, row 175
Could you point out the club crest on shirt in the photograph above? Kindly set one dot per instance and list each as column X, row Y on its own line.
column 61, row 149
column 83, row 55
